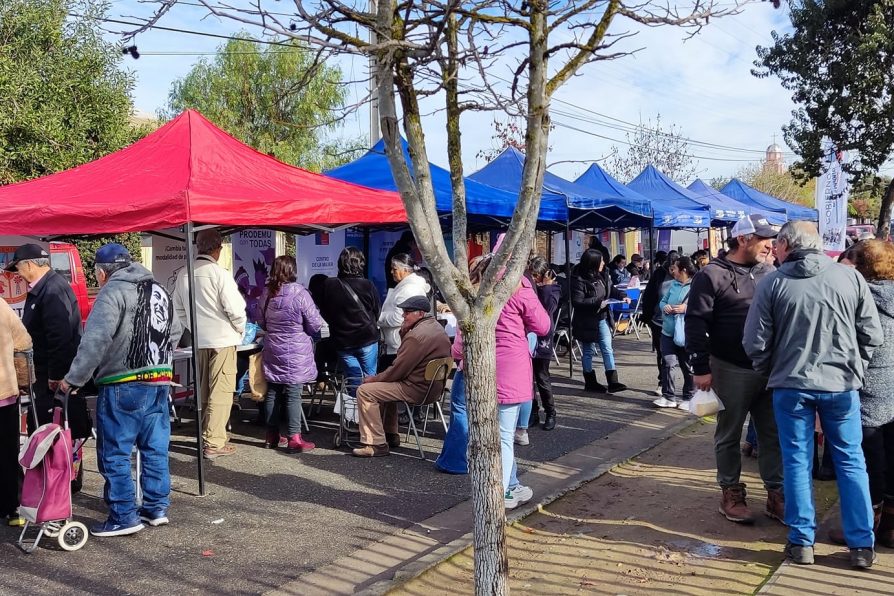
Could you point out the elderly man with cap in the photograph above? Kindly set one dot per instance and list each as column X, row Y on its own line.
column 128, row 346
column 53, row 321
column 422, row 339
column 719, row 298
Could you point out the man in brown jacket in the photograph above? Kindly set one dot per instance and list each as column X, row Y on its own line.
column 422, row 340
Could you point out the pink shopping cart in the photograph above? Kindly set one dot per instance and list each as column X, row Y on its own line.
column 46, row 492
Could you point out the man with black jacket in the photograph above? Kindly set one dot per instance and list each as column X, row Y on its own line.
column 719, row 299
column 650, row 298
column 53, row 320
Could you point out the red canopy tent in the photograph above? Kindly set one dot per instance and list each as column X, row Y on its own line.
column 188, row 171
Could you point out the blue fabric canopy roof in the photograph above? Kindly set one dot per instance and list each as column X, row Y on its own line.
column 762, row 201
column 730, row 207
column 672, row 205
column 589, row 207
column 610, row 191
column 482, row 201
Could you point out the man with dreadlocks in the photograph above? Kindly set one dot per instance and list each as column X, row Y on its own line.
column 128, row 344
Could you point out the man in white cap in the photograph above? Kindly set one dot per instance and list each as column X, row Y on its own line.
column 719, row 299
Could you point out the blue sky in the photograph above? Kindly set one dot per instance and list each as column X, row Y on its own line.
column 702, row 85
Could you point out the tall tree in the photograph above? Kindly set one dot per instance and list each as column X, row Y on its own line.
column 785, row 185
column 64, row 99
column 666, row 149
column 838, row 62
column 281, row 99
column 459, row 53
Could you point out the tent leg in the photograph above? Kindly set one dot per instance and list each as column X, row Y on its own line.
column 568, row 278
column 190, row 270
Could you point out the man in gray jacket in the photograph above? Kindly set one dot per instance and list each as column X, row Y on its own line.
column 129, row 344
column 812, row 329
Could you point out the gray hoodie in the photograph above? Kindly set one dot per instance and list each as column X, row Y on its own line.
column 813, row 325
column 877, row 396
column 130, row 332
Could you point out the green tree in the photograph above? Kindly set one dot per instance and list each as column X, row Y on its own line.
column 64, row 99
column 788, row 185
column 667, row 150
column 280, row 99
column 838, row 62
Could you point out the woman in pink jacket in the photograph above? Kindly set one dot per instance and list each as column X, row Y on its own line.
column 521, row 315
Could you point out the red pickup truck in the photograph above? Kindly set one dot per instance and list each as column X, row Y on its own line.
column 64, row 259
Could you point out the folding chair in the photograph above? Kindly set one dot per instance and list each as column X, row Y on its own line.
column 436, row 373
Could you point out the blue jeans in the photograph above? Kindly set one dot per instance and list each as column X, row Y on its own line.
column 605, row 347
column 508, row 423
column 288, row 396
column 453, row 458
column 524, row 414
column 840, row 418
column 358, row 363
column 129, row 414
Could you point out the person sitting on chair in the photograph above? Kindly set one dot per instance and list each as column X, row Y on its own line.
column 422, row 339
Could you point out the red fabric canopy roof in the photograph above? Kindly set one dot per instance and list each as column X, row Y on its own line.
column 188, row 170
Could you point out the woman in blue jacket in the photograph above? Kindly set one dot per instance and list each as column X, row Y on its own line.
column 673, row 306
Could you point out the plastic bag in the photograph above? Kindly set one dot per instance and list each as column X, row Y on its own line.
column 705, row 403
column 680, row 331
column 256, row 379
column 251, row 332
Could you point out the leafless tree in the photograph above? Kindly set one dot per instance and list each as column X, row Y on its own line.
column 477, row 55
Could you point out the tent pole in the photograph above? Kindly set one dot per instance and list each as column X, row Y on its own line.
column 568, row 282
column 651, row 248
column 194, row 359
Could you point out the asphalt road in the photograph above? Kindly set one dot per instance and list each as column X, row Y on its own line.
column 269, row 517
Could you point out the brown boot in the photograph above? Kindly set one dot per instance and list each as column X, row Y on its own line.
column 733, row 506
column 836, row 535
column 371, row 451
column 884, row 533
column 776, row 504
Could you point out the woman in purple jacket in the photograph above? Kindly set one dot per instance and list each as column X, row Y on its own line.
column 290, row 317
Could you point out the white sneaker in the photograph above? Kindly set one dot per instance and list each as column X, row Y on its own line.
column 522, row 494
column 683, row 405
column 509, row 500
column 521, row 437
column 657, row 391
column 663, row 402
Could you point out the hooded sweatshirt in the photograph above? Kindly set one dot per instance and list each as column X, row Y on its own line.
column 813, row 325
column 877, row 396
column 719, row 298
column 130, row 334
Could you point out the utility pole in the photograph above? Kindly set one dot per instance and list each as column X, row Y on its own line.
column 374, row 132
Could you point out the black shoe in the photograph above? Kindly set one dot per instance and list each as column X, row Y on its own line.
column 550, row 422
column 800, row 555
column 591, row 384
column 614, row 386
column 862, row 558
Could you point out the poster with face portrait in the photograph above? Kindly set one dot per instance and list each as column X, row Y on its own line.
column 253, row 255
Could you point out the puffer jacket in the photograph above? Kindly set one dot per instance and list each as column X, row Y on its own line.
column 549, row 296
column 290, row 319
column 392, row 317
column 587, row 296
column 13, row 338
column 813, row 325
column 877, row 395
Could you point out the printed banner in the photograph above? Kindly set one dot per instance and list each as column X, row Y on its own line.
column 318, row 254
column 576, row 244
column 253, row 255
column 379, row 245
column 168, row 259
column 832, row 191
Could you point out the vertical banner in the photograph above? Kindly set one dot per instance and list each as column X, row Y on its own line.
column 577, row 245
column 832, row 190
column 253, row 255
column 379, row 245
column 168, row 259
column 664, row 240
column 318, row 254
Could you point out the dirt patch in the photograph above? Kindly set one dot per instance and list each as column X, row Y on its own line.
column 649, row 526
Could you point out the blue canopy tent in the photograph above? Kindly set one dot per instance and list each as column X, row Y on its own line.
column 587, row 207
column 485, row 205
column 598, row 182
column 672, row 205
column 723, row 208
column 764, row 202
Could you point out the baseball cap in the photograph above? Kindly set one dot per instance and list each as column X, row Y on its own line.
column 26, row 252
column 112, row 253
column 416, row 303
column 755, row 224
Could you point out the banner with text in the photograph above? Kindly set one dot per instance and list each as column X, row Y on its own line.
column 318, row 254
column 577, row 247
column 832, row 191
column 253, row 255
column 168, row 259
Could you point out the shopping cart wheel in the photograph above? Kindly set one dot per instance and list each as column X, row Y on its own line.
column 73, row 536
column 336, row 440
column 51, row 529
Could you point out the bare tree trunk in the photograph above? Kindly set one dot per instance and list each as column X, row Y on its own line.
column 883, row 229
column 485, row 471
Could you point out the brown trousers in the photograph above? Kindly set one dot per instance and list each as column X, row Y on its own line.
column 378, row 409
column 217, row 379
